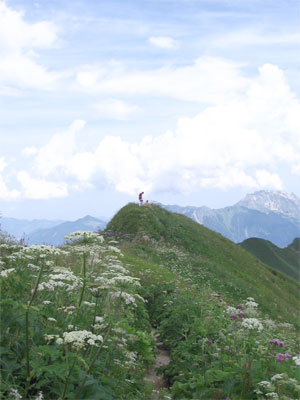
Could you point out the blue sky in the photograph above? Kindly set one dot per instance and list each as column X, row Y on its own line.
column 193, row 102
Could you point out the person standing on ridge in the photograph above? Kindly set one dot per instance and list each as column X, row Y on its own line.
column 141, row 198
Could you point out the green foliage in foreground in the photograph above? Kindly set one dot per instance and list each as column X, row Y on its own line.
column 76, row 321
column 286, row 260
column 73, row 323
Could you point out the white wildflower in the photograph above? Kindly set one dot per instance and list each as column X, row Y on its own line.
column 15, row 394
column 265, row 384
column 115, row 249
column 51, row 319
column 79, row 339
column 252, row 324
column 48, row 338
column 278, row 377
column 88, row 304
column 272, row 395
column 6, row 272
column 99, row 319
column 128, row 298
column 34, row 267
column 297, row 359
column 46, row 302
column 232, row 310
column 40, row 396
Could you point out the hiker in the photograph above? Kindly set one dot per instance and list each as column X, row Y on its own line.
column 141, row 198
column 147, row 203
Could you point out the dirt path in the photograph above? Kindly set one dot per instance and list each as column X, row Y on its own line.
column 162, row 358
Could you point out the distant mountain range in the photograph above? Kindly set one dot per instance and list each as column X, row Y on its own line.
column 48, row 232
column 21, row 227
column 286, row 260
column 270, row 215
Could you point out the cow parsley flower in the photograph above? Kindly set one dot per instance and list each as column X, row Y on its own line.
column 15, row 394
column 297, row 359
column 272, row 395
column 252, row 324
column 6, row 272
column 79, row 339
column 278, row 377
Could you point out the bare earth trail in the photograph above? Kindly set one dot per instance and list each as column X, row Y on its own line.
column 162, row 358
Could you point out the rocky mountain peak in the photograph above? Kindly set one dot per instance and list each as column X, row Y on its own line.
column 275, row 201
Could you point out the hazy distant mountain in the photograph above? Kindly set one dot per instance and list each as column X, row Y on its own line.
column 286, row 260
column 55, row 236
column 20, row 227
column 273, row 216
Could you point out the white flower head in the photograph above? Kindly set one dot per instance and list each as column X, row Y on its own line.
column 252, row 324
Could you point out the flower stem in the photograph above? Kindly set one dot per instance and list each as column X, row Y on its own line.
column 27, row 329
column 92, row 364
column 84, row 279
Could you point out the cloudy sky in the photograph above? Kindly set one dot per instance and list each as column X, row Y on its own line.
column 195, row 102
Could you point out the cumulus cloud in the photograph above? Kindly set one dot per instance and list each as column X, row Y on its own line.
column 19, row 42
column 5, row 193
column 55, row 155
column 207, row 80
column 164, row 42
column 115, row 109
column 29, row 151
column 242, row 141
column 37, row 189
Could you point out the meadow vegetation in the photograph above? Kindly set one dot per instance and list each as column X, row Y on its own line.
column 76, row 321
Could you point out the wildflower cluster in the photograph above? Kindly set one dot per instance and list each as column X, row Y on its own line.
column 85, row 236
column 277, row 342
column 61, row 277
column 80, row 339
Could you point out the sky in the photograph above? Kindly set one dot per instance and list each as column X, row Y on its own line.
column 194, row 102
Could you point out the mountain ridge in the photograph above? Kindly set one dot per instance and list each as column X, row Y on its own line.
column 245, row 219
column 55, row 236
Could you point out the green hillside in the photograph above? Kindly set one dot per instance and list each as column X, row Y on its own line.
column 88, row 320
column 286, row 260
column 158, row 235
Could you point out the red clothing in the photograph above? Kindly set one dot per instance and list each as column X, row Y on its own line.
column 141, row 196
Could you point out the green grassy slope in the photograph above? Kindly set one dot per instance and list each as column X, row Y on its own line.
column 286, row 260
column 209, row 259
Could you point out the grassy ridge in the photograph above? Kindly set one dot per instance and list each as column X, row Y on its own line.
column 286, row 260
column 212, row 259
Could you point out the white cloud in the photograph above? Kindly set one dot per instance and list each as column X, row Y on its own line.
column 164, row 42
column 19, row 41
column 5, row 193
column 267, row 179
column 243, row 141
column 116, row 109
column 257, row 37
column 29, row 151
column 37, row 189
column 208, row 80
column 55, row 155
